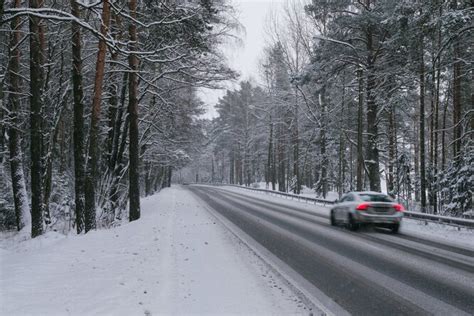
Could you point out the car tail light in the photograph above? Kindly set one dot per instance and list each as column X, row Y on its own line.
column 363, row 207
column 399, row 207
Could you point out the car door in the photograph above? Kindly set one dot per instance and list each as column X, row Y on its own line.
column 351, row 204
column 341, row 210
column 348, row 207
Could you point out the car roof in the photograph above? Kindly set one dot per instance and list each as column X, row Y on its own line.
column 367, row 192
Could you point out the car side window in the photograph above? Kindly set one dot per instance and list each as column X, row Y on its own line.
column 347, row 198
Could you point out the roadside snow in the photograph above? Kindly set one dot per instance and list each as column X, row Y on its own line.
column 441, row 233
column 305, row 191
column 175, row 260
column 428, row 230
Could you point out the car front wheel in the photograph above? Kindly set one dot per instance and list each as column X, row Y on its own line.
column 352, row 225
column 332, row 219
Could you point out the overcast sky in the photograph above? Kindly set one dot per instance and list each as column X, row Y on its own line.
column 252, row 15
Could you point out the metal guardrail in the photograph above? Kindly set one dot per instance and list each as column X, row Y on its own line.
column 289, row 195
column 456, row 221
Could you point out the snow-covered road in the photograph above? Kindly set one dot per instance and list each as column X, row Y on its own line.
column 177, row 259
column 366, row 273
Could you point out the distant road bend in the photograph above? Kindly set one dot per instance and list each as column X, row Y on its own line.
column 364, row 273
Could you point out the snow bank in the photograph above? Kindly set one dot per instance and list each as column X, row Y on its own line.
column 305, row 191
column 441, row 233
column 175, row 260
column 22, row 242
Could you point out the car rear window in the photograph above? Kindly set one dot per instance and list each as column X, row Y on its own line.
column 375, row 198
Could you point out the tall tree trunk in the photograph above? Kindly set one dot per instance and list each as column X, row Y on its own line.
column 117, row 95
column 117, row 127
column 157, row 180
column 422, row 130
column 170, row 175
column 2, row 3
column 340, row 176
column 392, row 143
column 79, row 159
column 36, row 109
column 274, row 169
column 49, row 146
column 134, row 168
column 270, row 157
column 222, row 175
column 322, row 144
column 281, row 160
column 351, row 167
column 113, row 112
column 93, row 157
column 435, row 144
column 457, row 102
column 372, row 130
column 417, row 155
column 20, row 196
column 443, row 133
column 3, row 130
column 246, row 164
column 113, row 91
column 118, row 147
column 269, row 154
column 437, row 64
column 360, row 122
column 296, row 150
column 240, row 165
column 431, row 175
column 232, row 166
column 213, row 171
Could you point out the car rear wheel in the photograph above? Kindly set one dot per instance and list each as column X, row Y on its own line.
column 352, row 225
column 394, row 228
column 332, row 219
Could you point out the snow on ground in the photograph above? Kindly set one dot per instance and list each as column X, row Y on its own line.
column 428, row 230
column 175, row 260
column 305, row 191
column 439, row 232
column 331, row 196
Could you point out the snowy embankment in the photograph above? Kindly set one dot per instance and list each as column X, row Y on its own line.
column 305, row 191
column 175, row 260
column 422, row 229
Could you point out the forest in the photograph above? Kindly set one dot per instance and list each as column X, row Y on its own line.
column 99, row 105
column 356, row 95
